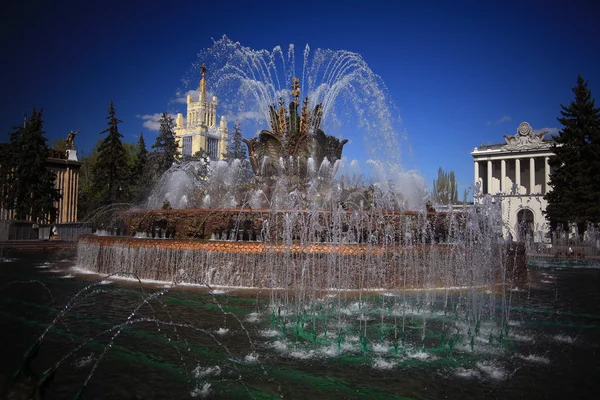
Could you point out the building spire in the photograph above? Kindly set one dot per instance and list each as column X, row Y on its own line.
column 203, row 80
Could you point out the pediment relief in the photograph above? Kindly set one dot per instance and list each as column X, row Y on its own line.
column 525, row 139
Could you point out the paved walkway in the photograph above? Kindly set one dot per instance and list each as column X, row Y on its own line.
column 37, row 244
column 553, row 257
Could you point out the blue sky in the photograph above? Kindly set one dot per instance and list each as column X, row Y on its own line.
column 460, row 73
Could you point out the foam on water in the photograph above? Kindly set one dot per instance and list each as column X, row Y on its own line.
column 83, row 361
column 467, row 373
column 521, row 337
column 269, row 333
column 82, row 271
column 381, row 348
column 251, row 358
column 253, row 317
column 329, row 351
column 535, row 359
column 302, row 354
column 564, row 339
column 201, row 392
column 380, row 363
column 201, row 372
column 222, row 331
column 280, row 345
column 420, row 355
column 492, row 370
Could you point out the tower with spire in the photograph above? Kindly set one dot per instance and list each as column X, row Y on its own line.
column 200, row 131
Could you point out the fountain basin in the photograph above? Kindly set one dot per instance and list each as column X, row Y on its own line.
column 313, row 266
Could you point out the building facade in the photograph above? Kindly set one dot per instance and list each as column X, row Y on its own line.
column 67, row 182
column 200, row 131
column 66, row 166
column 517, row 174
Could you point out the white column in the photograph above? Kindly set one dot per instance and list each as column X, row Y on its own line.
column 546, row 175
column 518, row 175
column 476, row 172
column 531, row 175
column 503, row 176
column 489, row 177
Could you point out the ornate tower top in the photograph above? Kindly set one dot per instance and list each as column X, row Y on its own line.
column 203, row 79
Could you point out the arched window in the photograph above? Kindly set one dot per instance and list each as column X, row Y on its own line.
column 525, row 224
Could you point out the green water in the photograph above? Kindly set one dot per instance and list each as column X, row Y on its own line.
column 187, row 342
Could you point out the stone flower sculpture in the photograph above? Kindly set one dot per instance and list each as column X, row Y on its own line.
column 293, row 139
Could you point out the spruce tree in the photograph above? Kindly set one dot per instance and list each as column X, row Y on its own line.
column 236, row 149
column 166, row 147
column 141, row 177
column 575, row 172
column 111, row 172
column 31, row 191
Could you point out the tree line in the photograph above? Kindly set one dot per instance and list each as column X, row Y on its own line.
column 27, row 186
column 118, row 174
column 115, row 173
column 124, row 173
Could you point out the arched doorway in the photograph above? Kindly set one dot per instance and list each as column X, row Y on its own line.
column 525, row 225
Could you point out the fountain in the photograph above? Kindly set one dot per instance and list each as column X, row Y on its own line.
column 300, row 222
column 303, row 263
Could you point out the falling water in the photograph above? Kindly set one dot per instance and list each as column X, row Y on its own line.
column 350, row 260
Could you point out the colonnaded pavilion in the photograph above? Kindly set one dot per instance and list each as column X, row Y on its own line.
column 517, row 173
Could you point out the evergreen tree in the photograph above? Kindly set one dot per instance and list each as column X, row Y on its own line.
column 141, row 177
column 575, row 172
column 166, row 147
column 236, row 149
column 445, row 189
column 31, row 191
column 89, row 195
column 6, row 180
column 111, row 172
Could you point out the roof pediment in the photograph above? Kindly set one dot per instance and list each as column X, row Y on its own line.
column 525, row 139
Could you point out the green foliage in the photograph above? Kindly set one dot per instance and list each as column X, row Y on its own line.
column 445, row 188
column 236, row 149
column 60, row 145
column 166, row 147
column 575, row 174
column 30, row 184
column 6, row 178
column 112, row 170
column 141, row 174
column 89, row 195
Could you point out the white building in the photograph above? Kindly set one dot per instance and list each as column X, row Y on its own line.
column 517, row 174
column 199, row 131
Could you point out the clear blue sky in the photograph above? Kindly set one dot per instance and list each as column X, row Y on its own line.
column 460, row 73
